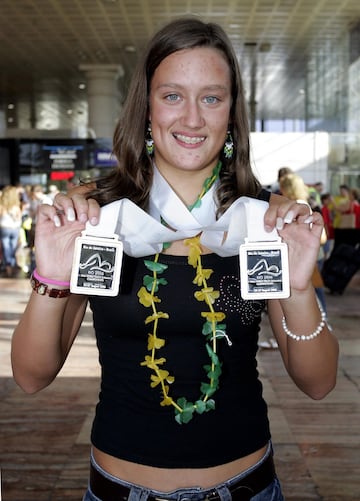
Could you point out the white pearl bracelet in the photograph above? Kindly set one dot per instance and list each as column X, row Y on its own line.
column 303, row 337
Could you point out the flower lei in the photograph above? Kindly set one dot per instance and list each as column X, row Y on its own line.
column 213, row 328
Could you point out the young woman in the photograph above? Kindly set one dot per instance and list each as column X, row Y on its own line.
column 180, row 413
column 10, row 223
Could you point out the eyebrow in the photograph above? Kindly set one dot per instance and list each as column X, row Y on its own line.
column 206, row 87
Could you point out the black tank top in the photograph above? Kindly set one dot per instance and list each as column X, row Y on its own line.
column 130, row 423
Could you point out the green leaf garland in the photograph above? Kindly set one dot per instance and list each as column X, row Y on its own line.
column 213, row 329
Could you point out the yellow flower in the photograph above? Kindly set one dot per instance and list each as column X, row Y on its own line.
column 155, row 342
column 153, row 364
column 147, row 299
column 201, row 275
column 158, row 314
column 195, row 250
column 166, row 400
column 161, row 376
column 213, row 316
column 207, row 294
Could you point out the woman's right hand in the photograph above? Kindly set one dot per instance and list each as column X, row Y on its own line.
column 57, row 226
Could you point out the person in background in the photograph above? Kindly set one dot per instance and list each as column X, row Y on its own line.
column 181, row 413
column 341, row 205
column 328, row 217
column 10, row 223
column 315, row 192
column 355, row 205
column 53, row 190
column 283, row 171
column 352, row 207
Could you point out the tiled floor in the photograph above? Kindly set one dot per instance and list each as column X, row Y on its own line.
column 44, row 438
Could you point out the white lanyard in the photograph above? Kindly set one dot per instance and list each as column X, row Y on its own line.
column 143, row 233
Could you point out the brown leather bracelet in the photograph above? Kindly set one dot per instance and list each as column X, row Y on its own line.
column 42, row 289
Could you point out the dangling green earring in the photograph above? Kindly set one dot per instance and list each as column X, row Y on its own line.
column 229, row 146
column 149, row 142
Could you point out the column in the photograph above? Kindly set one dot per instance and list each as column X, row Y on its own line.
column 103, row 97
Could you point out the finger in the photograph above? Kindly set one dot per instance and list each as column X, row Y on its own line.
column 300, row 211
column 93, row 212
column 81, row 207
column 77, row 206
column 278, row 207
column 316, row 223
column 283, row 210
column 64, row 204
column 47, row 212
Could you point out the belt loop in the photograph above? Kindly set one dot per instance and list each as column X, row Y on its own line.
column 224, row 493
column 138, row 494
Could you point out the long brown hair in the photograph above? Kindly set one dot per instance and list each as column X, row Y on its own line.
column 133, row 176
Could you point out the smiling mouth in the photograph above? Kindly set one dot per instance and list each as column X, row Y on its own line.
column 190, row 140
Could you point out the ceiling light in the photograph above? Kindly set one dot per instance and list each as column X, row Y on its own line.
column 82, row 86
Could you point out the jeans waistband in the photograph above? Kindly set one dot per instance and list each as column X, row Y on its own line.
column 240, row 488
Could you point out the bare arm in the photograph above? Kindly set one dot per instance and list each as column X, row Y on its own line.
column 48, row 326
column 312, row 364
column 43, row 338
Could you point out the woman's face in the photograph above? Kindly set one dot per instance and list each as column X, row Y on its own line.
column 190, row 100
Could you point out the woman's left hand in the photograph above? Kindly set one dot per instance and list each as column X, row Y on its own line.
column 283, row 210
column 301, row 230
column 302, row 236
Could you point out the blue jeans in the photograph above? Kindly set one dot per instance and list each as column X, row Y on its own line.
column 9, row 241
column 271, row 493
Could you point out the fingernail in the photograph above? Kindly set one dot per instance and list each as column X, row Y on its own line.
column 309, row 219
column 94, row 221
column 57, row 221
column 279, row 223
column 289, row 217
column 70, row 214
column 267, row 228
column 83, row 218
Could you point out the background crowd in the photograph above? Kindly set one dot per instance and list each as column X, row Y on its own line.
column 18, row 207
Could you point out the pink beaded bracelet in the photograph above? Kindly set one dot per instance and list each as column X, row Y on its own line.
column 49, row 281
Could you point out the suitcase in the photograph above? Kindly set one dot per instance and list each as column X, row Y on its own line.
column 340, row 267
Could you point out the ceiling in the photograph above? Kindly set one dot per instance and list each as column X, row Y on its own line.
column 44, row 42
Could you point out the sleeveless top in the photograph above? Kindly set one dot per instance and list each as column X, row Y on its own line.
column 130, row 423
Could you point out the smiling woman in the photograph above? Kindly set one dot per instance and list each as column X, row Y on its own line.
column 181, row 413
column 190, row 118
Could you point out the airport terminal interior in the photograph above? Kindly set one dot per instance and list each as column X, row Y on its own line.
column 65, row 67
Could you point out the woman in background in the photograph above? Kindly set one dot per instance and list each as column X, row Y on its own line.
column 10, row 223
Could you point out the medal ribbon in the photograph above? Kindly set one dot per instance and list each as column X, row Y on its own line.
column 143, row 233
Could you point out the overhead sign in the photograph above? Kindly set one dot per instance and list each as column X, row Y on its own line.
column 63, row 157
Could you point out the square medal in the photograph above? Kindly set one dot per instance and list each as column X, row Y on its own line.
column 264, row 270
column 96, row 266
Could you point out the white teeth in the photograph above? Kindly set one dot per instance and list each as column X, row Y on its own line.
column 189, row 140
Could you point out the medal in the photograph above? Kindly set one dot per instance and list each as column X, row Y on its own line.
column 96, row 265
column 264, row 270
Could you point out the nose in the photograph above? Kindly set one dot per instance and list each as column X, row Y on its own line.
column 192, row 116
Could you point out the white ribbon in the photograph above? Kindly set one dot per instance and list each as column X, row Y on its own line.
column 143, row 233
